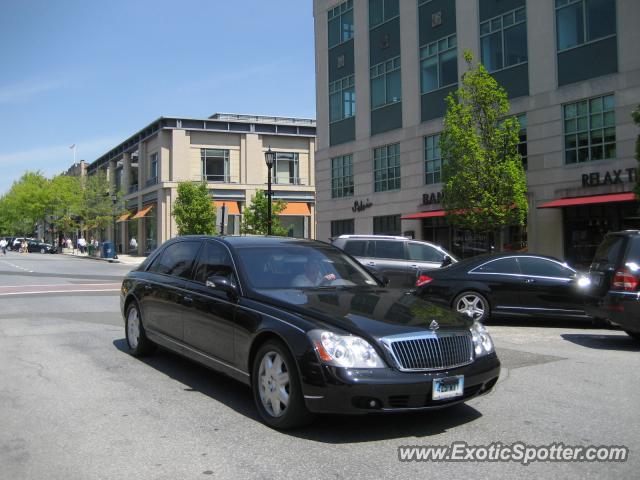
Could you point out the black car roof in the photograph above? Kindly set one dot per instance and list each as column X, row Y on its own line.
column 256, row 240
column 477, row 260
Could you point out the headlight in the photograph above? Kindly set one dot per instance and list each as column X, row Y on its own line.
column 482, row 342
column 345, row 350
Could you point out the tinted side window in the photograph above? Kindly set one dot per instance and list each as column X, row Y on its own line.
column 424, row 253
column 177, row 259
column 609, row 250
column 504, row 265
column 389, row 249
column 357, row 248
column 634, row 251
column 214, row 260
column 540, row 267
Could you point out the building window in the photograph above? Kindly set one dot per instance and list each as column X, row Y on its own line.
column 381, row 11
column 340, row 23
column 385, row 83
column 342, row 227
column 503, row 40
column 215, row 164
column 522, row 140
column 439, row 64
column 342, row 176
column 386, row 225
column 582, row 21
column 386, row 167
column 432, row 159
column 286, row 169
column 342, row 99
column 590, row 130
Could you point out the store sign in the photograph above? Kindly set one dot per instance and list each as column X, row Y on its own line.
column 433, row 198
column 360, row 206
column 610, row 177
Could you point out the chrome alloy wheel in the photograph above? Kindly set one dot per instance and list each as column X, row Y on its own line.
column 273, row 384
column 471, row 305
column 133, row 328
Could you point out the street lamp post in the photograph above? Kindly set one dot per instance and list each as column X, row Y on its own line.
column 269, row 159
column 114, row 199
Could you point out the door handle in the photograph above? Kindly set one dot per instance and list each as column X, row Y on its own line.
column 415, row 267
column 187, row 299
column 148, row 288
column 529, row 280
column 371, row 264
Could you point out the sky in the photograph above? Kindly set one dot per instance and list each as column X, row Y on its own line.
column 92, row 73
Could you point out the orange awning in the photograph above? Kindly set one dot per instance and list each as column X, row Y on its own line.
column 590, row 200
column 232, row 207
column 124, row 217
column 431, row 214
column 297, row 208
column 143, row 213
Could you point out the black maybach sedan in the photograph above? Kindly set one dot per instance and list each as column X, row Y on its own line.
column 305, row 326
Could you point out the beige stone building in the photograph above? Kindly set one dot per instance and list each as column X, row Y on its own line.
column 225, row 150
column 572, row 72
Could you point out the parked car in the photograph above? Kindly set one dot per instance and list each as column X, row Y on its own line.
column 42, row 247
column 615, row 281
column 395, row 258
column 305, row 326
column 507, row 285
column 17, row 242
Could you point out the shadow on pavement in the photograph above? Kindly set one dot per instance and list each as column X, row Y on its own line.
column 603, row 342
column 327, row 428
column 546, row 323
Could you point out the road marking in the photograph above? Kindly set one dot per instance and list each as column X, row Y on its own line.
column 59, row 291
column 17, row 266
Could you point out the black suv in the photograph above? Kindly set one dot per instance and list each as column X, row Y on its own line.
column 615, row 281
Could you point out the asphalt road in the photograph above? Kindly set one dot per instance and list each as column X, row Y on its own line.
column 74, row 405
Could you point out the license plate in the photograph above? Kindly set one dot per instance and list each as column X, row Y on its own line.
column 448, row 387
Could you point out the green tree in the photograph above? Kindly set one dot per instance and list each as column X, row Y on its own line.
column 193, row 210
column 66, row 200
column 636, row 118
column 254, row 221
column 484, row 182
column 27, row 202
column 96, row 209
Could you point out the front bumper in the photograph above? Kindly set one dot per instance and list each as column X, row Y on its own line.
column 352, row 391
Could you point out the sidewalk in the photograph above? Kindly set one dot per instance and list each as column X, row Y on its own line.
column 126, row 259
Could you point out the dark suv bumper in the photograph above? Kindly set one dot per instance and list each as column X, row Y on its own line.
column 351, row 391
column 620, row 308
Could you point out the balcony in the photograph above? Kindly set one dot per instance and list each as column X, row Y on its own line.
column 287, row 181
column 133, row 188
column 151, row 181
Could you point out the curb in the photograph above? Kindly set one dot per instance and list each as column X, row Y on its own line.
column 87, row 257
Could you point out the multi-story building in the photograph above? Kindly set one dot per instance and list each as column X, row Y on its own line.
column 571, row 69
column 227, row 152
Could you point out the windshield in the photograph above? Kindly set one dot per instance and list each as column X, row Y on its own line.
column 301, row 266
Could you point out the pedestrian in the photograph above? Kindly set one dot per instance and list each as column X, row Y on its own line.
column 133, row 244
column 82, row 243
column 3, row 246
column 25, row 246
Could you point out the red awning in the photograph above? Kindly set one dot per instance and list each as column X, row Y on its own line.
column 590, row 200
column 419, row 215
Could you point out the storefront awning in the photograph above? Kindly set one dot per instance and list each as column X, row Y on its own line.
column 124, row 217
column 297, row 208
column 590, row 200
column 419, row 215
column 232, row 207
column 143, row 213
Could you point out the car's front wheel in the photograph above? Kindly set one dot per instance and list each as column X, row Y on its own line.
column 276, row 387
column 635, row 335
column 137, row 341
column 472, row 304
column 42, row 250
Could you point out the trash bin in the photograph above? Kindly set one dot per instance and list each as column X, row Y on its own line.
column 107, row 250
column 91, row 250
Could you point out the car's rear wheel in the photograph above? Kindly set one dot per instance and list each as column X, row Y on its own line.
column 635, row 335
column 276, row 387
column 42, row 250
column 472, row 304
column 137, row 341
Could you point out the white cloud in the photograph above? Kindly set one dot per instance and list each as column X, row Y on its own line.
column 51, row 160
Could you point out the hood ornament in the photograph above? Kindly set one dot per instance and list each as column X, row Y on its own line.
column 434, row 325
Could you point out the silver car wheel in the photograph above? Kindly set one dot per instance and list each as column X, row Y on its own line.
column 273, row 384
column 133, row 328
column 471, row 305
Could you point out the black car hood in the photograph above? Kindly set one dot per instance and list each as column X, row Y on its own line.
column 376, row 312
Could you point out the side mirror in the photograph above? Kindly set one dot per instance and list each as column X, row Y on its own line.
column 383, row 279
column 446, row 261
column 223, row 283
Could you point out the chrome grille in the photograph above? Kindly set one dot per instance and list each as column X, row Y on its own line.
column 432, row 352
